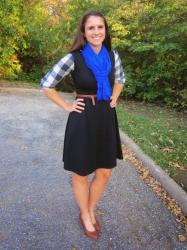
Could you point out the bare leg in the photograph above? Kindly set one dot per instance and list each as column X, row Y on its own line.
column 97, row 187
column 80, row 188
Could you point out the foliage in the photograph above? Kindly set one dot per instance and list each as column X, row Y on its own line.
column 9, row 42
column 149, row 35
column 43, row 37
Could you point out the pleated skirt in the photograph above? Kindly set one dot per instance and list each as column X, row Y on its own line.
column 92, row 139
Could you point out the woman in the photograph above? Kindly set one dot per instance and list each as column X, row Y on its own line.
column 92, row 141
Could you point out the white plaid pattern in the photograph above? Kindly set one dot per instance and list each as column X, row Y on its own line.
column 66, row 65
column 119, row 72
column 58, row 72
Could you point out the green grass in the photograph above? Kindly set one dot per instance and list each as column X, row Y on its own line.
column 160, row 132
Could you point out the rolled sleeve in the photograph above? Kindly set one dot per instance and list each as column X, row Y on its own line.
column 58, row 72
column 119, row 72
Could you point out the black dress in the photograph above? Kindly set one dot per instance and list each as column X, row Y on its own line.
column 92, row 137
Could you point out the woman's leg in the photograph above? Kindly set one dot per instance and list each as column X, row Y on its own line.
column 97, row 187
column 80, row 188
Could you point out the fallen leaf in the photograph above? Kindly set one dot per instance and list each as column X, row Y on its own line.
column 144, row 174
column 166, row 150
column 98, row 212
column 182, row 237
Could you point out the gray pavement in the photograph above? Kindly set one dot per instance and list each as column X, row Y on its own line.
column 37, row 208
column 173, row 189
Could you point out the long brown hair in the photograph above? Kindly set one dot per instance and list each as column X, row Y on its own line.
column 80, row 40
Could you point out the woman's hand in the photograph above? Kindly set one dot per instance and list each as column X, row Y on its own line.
column 113, row 102
column 76, row 106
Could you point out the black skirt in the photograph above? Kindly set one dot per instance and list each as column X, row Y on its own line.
column 92, row 138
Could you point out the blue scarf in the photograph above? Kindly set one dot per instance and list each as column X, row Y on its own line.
column 101, row 66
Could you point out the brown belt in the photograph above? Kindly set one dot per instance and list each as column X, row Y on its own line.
column 92, row 97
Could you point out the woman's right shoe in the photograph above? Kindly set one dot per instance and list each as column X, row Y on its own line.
column 92, row 234
column 97, row 226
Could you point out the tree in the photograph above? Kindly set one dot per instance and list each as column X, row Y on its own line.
column 152, row 39
column 11, row 37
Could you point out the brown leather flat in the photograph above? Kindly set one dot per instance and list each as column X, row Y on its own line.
column 97, row 226
column 93, row 235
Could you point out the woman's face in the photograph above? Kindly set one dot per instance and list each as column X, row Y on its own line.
column 95, row 32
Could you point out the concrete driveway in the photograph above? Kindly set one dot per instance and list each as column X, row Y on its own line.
column 37, row 208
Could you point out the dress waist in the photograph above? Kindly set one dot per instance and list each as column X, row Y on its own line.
column 92, row 97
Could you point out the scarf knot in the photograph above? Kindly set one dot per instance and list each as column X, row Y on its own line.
column 100, row 65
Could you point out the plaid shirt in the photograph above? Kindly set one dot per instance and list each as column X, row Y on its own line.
column 66, row 65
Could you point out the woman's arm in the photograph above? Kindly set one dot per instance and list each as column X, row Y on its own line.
column 54, row 96
column 119, row 80
column 117, row 89
column 53, row 77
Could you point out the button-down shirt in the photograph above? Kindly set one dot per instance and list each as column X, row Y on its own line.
column 66, row 65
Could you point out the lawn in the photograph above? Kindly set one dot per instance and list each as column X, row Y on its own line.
column 160, row 132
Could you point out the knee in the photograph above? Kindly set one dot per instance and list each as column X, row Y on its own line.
column 104, row 173
column 79, row 178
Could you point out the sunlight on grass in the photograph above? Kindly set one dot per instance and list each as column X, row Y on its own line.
column 161, row 133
